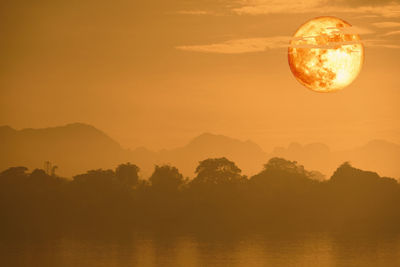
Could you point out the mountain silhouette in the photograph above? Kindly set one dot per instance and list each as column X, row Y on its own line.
column 378, row 155
column 76, row 148
column 73, row 148
column 248, row 155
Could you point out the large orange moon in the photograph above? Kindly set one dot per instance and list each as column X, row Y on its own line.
column 326, row 54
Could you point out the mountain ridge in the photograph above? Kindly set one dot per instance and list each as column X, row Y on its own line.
column 78, row 147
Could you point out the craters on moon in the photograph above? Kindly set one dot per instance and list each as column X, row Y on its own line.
column 325, row 54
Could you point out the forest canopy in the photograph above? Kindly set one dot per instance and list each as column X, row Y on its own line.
column 283, row 195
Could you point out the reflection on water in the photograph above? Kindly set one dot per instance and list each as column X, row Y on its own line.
column 266, row 250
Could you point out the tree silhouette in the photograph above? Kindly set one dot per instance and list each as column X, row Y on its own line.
column 14, row 172
column 38, row 174
column 218, row 171
column 96, row 177
column 356, row 197
column 127, row 174
column 166, row 178
column 283, row 195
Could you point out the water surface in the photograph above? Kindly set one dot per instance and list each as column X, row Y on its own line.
column 197, row 250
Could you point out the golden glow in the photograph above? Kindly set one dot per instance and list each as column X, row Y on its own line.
column 325, row 55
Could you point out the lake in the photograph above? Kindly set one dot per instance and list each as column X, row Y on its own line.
column 317, row 249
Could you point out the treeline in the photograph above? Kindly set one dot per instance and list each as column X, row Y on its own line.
column 283, row 196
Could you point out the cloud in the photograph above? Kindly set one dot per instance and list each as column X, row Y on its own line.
column 380, row 43
column 332, row 45
column 259, row 7
column 364, row 8
column 239, row 46
column 196, row 12
column 394, row 46
column 365, row 2
column 389, row 11
column 353, row 30
column 252, row 45
column 392, row 33
column 386, row 24
column 366, row 16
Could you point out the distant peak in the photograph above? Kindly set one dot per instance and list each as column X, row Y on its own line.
column 217, row 140
column 207, row 134
column 205, row 137
column 6, row 128
column 379, row 142
column 317, row 145
column 77, row 129
column 78, row 125
column 219, row 137
column 295, row 146
column 75, row 125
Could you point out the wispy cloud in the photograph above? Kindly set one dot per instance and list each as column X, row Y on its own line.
column 252, row 45
column 353, row 30
column 196, row 12
column 380, row 43
column 394, row 46
column 259, row 7
column 239, row 46
column 387, row 24
column 391, row 33
column 389, row 11
column 332, row 45
column 370, row 8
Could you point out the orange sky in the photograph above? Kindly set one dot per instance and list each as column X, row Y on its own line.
column 157, row 73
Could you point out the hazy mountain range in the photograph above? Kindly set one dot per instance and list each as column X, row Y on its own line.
column 76, row 148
